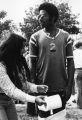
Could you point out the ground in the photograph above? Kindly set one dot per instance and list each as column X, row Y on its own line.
column 73, row 112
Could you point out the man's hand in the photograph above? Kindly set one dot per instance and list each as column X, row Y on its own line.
column 40, row 100
column 42, row 88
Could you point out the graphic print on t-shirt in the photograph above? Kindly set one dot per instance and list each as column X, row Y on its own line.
column 52, row 47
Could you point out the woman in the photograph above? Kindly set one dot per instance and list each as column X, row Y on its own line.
column 14, row 73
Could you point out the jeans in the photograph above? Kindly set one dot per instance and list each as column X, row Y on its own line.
column 7, row 108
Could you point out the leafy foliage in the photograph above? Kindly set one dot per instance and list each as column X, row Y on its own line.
column 31, row 23
column 4, row 25
column 67, row 20
column 2, row 14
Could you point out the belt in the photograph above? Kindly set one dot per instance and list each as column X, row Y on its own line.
column 45, row 114
column 60, row 92
column 78, row 68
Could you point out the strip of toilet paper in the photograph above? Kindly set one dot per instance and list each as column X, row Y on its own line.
column 53, row 102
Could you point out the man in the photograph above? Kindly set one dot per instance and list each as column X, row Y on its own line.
column 50, row 50
column 78, row 72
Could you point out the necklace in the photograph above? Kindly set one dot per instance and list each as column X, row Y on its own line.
column 54, row 35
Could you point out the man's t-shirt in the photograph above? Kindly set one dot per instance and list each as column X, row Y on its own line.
column 51, row 56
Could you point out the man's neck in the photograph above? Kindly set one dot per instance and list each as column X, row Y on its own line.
column 52, row 30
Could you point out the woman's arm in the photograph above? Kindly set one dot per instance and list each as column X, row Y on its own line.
column 10, row 89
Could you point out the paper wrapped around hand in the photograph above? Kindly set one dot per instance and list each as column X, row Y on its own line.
column 53, row 102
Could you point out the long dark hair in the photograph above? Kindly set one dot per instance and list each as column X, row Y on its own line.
column 11, row 57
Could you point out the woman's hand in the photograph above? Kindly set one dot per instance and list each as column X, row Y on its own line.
column 42, row 88
column 40, row 100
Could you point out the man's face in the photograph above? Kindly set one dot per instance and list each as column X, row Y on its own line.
column 43, row 18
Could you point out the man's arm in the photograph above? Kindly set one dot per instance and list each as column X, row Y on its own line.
column 32, row 64
column 70, row 68
column 70, row 72
column 33, row 48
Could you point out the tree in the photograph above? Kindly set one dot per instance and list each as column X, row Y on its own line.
column 4, row 25
column 31, row 23
column 67, row 20
column 2, row 14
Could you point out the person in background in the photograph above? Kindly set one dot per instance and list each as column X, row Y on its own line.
column 51, row 60
column 14, row 74
column 78, row 72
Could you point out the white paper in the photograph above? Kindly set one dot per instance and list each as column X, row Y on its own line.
column 53, row 102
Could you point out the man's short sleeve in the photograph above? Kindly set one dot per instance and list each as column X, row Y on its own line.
column 33, row 47
column 69, row 49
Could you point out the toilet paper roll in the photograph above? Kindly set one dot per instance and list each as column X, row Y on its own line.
column 53, row 102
